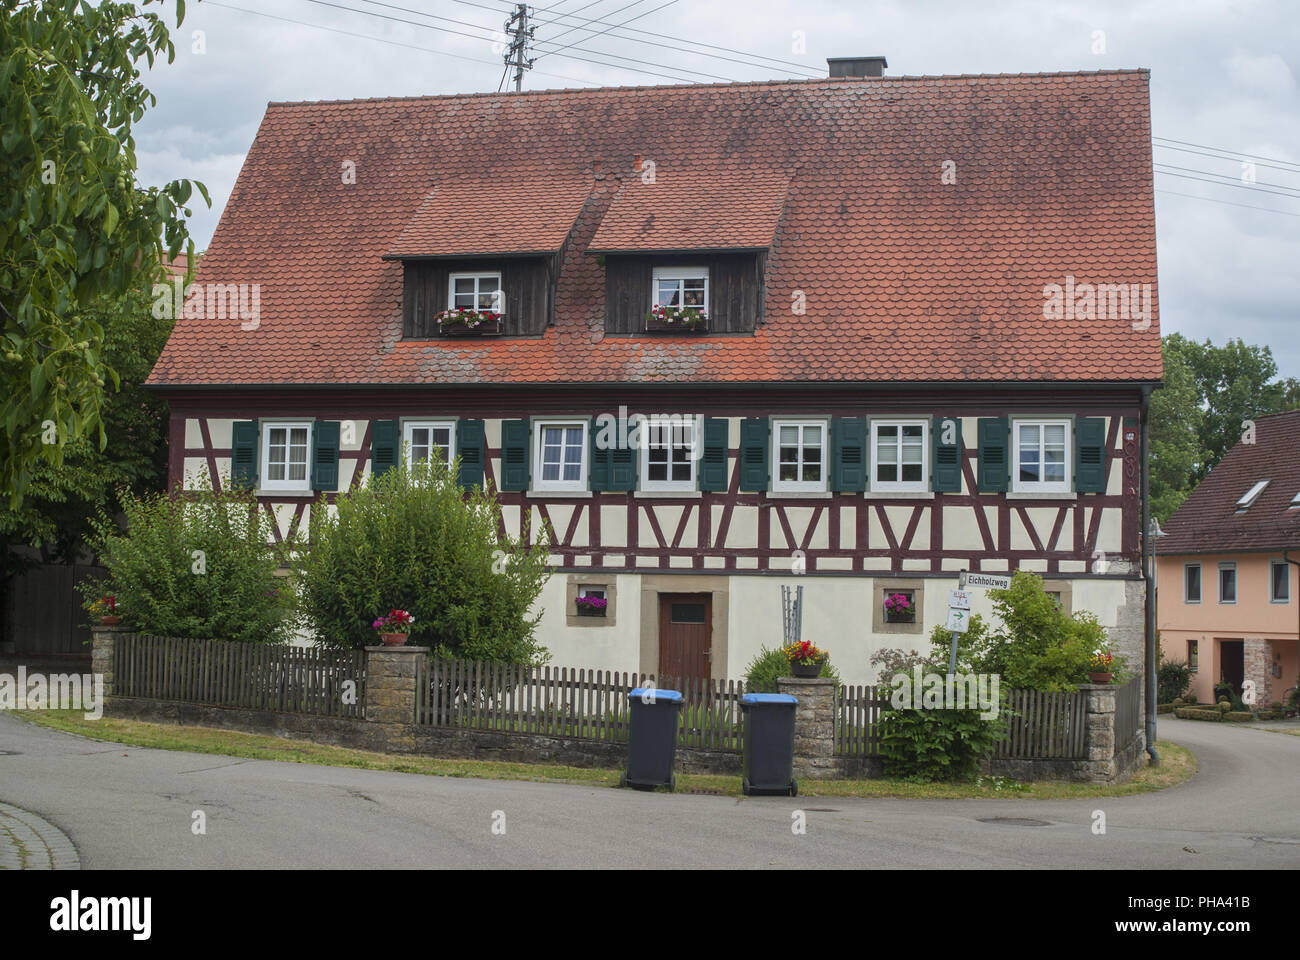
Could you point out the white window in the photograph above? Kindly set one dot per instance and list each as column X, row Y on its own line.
column 799, row 455
column 476, row 291
column 1191, row 583
column 1041, row 456
column 425, row 439
column 560, row 455
column 285, row 451
column 1252, row 495
column 667, row 454
column 681, row 287
column 1228, row 582
column 1279, row 581
column 900, row 457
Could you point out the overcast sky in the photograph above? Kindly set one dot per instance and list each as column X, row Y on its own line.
column 1223, row 81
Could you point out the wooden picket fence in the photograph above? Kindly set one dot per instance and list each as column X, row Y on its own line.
column 857, row 720
column 1044, row 726
column 1128, row 713
column 258, row 676
column 570, row 702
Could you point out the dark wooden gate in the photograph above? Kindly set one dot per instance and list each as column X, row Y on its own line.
column 685, row 635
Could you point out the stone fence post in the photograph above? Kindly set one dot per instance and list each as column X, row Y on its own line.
column 390, row 693
column 814, row 725
column 102, row 638
column 1100, row 731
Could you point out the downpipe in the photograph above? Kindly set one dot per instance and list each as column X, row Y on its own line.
column 1150, row 605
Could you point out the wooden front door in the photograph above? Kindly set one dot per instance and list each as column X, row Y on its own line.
column 685, row 635
column 1232, row 663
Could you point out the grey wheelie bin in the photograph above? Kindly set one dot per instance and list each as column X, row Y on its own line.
column 769, row 744
column 652, row 742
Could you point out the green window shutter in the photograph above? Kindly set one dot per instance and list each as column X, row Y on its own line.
column 243, row 454
column 623, row 461
column 325, row 455
column 754, row 433
column 515, row 444
column 994, row 453
column 598, row 469
column 385, row 444
column 712, row 466
column 849, row 454
column 1090, row 461
column 945, row 471
column 471, row 442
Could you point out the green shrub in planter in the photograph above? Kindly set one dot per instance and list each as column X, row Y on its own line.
column 770, row 665
column 202, row 565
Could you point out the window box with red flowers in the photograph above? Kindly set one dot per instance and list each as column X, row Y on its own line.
column 900, row 608
column 591, row 605
column 662, row 319
column 465, row 322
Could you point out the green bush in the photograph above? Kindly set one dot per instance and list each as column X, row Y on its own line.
column 1199, row 713
column 1172, row 679
column 928, row 745
column 1239, row 716
column 426, row 545
column 202, row 564
column 770, row 665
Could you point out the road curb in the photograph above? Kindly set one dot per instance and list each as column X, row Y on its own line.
column 29, row 842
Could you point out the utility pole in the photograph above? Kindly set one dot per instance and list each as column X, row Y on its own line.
column 521, row 35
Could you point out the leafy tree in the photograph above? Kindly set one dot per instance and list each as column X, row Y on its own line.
column 1176, row 417
column 202, row 565
column 62, row 501
column 73, row 223
column 421, row 543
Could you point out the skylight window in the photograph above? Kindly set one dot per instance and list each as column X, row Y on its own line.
column 1295, row 502
column 1252, row 495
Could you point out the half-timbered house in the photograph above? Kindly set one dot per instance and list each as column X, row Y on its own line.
column 911, row 321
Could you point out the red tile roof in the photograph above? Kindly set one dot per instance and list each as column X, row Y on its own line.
column 498, row 215
column 905, row 277
column 1209, row 522
column 693, row 210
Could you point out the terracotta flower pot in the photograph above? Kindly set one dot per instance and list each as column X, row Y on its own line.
column 110, row 621
column 1100, row 677
column 806, row 670
column 393, row 639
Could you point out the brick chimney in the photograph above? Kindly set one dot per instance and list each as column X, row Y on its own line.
column 857, row 66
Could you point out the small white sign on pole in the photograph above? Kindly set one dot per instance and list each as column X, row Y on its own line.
column 959, row 599
column 989, row 581
column 958, row 620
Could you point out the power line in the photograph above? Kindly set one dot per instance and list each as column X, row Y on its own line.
column 1219, row 183
column 393, row 43
column 1226, row 150
column 1248, row 206
column 1208, row 173
column 1215, row 156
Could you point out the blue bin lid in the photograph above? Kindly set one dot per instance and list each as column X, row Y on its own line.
column 752, row 698
column 668, row 696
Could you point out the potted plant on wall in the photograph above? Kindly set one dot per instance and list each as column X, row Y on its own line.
column 466, row 322
column 105, row 608
column 591, row 606
column 394, row 627
column 899, row 608
column 1099, row 667
column 805, row 659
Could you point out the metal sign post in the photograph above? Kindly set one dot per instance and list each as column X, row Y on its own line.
column 957, row 618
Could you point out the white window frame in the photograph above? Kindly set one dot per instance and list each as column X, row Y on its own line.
column 539, row 430
column 669, row 485
column 799, row 486
column 902, row 486
column 477, row 276
column 1250, row 496
column 264, row 466
column 409, row 425
column 678, row 273
column 1236, row 581
column 1273, row 598
column 595, row 588
column 1200, row 582
column 1042, row 486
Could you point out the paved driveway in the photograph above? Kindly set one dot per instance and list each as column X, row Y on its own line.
column 128, row 807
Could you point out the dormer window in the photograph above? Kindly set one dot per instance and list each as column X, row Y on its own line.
column 475, row 291
column 681, row 287
column 1252, row 495
column 1295, row 502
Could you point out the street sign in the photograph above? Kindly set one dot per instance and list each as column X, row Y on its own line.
column 958, row 620
column 989, row 581
column 959, row 599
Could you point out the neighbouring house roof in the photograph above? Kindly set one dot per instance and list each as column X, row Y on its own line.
column 915, row 223
column 499, row 215
column 1210, row 521
column 693, row 210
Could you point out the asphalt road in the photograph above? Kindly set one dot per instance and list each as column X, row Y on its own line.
column 128, row 807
